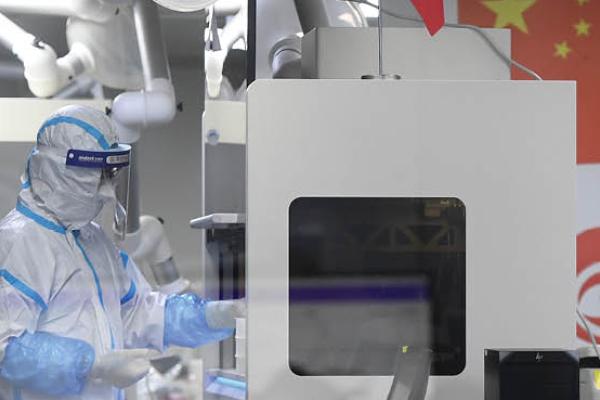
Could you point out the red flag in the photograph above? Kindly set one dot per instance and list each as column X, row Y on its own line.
column 432, row 12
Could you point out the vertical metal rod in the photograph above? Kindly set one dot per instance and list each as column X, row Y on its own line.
column 153, row 54
column 380, row 37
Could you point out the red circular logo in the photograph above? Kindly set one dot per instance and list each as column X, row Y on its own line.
column 588, row 254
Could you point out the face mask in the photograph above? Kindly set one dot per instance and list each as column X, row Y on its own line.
column 75, row 211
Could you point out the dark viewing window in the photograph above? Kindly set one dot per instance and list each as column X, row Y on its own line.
column 369, row 276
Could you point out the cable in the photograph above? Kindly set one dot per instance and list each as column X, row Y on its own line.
column 589, row 331
column 509, row 61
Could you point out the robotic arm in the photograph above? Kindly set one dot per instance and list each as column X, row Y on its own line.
column 46, row 74
column 215, row 56
column 92, row 10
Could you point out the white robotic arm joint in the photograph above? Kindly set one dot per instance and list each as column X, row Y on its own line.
column 46, row 74
column 92, row 10
column 155, row 105
column 151, row 250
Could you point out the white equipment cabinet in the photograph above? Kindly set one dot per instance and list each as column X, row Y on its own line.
column 506, row 149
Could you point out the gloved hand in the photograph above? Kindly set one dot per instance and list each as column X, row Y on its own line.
column 222, row 314
column 122, row 368
column 191, row 321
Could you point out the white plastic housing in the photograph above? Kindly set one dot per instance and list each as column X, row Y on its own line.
column 45, row 73
column 154, row 106
column 213, row 64
column 150, row 246
column 185, row 5
column 154, row 248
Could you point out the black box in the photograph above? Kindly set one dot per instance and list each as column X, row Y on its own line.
column 531, row 374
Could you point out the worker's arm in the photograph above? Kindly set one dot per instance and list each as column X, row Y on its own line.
column 152, row 319
column 142, row 310
column 48, row 364
column 39, row 361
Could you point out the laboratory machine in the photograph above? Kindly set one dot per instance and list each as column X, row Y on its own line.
column 356, row 186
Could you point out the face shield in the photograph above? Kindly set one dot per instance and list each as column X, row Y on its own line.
column 114, row 164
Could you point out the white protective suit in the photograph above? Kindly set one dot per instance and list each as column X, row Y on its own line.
column 59, row 272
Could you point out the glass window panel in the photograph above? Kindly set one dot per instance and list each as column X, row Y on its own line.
column 369, row 276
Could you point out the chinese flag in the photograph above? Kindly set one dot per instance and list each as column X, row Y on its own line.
column 558, row 39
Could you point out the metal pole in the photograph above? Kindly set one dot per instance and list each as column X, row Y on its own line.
column 150, row 41
column 380, row 37
column 155, row 65
column 380, row 73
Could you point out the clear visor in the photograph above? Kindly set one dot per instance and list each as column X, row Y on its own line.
column 120, row 178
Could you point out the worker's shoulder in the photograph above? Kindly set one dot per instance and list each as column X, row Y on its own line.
column 18, row 230
column 20, row 235
column 15, row 227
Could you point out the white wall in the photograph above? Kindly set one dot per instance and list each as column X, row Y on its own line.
column 12, row 165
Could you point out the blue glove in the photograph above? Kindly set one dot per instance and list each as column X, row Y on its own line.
column 186, row 324
column 47, row 364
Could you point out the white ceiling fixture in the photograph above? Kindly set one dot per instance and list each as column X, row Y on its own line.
column 186, row 5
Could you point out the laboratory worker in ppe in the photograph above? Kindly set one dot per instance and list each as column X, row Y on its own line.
column 77, row 318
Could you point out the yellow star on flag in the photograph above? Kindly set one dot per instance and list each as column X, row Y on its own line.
column 582, row 2
column 582, row 27
column 510, row 12
column 562, row 50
